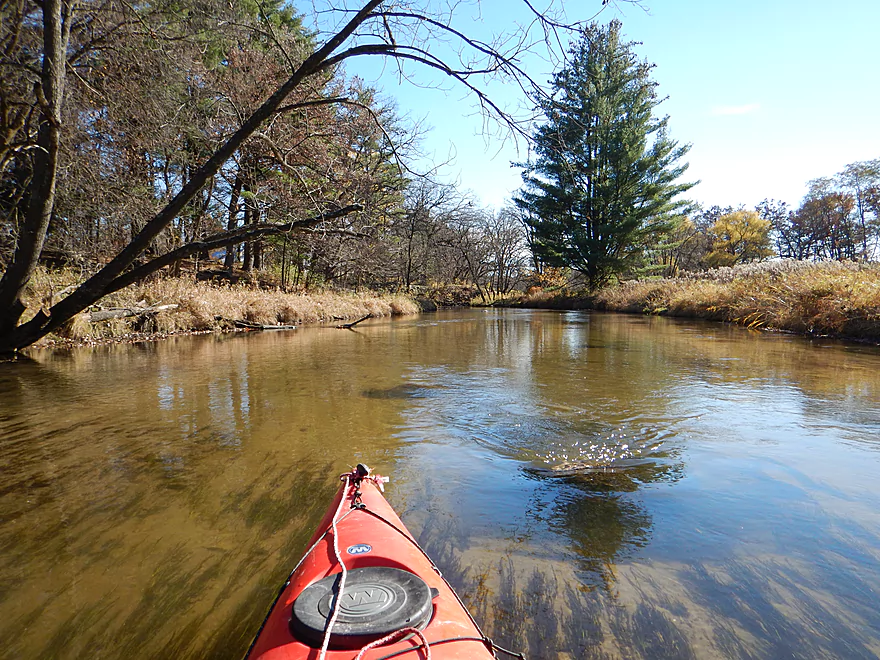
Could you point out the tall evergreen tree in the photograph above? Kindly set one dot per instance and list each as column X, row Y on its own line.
column 602, row 184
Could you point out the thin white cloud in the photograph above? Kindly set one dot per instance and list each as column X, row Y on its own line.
column 727, row 110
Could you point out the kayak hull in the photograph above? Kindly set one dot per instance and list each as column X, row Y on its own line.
column 368, row 534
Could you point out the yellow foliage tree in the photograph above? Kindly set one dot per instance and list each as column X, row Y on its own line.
column 739, row 237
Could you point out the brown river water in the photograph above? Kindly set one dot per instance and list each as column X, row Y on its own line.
column 593, row 485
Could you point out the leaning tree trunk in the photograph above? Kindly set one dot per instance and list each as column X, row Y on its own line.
column 44, row 159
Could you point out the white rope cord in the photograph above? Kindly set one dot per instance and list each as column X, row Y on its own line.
column 315, row 545
column 393, row 636
column 335, row 612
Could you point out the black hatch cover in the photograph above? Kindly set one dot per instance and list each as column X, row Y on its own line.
column 377, row 601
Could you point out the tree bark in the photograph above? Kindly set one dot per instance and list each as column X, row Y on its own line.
column 247, row 264
column 257, row 248
column 229, row 259
column 35, row 224
column 325, row 58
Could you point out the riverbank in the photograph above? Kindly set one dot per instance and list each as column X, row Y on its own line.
column 836, row 299
column 177, row 306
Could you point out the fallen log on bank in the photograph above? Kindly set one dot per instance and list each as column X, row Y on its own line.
column 124, row 312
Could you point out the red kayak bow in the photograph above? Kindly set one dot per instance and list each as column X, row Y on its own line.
column 394, row 602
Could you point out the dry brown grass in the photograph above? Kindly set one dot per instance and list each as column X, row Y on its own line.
column 819, row 298
column 204, row 306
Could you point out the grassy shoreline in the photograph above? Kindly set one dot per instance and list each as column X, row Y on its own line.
column 836, row 299
column 203, row 307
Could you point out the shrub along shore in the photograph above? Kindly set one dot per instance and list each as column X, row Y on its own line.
column 831, row 298
column 174, row 306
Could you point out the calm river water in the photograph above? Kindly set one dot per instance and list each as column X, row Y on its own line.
column 595, row 486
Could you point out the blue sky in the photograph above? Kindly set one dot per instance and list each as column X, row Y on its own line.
column 770, row 93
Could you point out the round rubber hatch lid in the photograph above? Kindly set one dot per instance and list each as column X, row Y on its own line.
column 377, row 601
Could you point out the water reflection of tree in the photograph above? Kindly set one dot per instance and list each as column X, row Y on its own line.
column 749, row 607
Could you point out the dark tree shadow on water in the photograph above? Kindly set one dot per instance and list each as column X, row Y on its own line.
column 188, row 600
column 600, row 593
column 786, row 611
column 535, row 611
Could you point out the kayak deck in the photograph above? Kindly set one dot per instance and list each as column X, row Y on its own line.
column 394, row 602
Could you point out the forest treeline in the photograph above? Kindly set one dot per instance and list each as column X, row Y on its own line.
column 838, row 219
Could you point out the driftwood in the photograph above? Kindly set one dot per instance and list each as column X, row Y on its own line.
column 584, row 468
column 124, row 312
column 349, row 326
column 247, row 325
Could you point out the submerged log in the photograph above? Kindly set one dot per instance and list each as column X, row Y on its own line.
column 349, row 326
column 248, row 325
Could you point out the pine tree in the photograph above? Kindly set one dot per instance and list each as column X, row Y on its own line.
column 602, row 184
